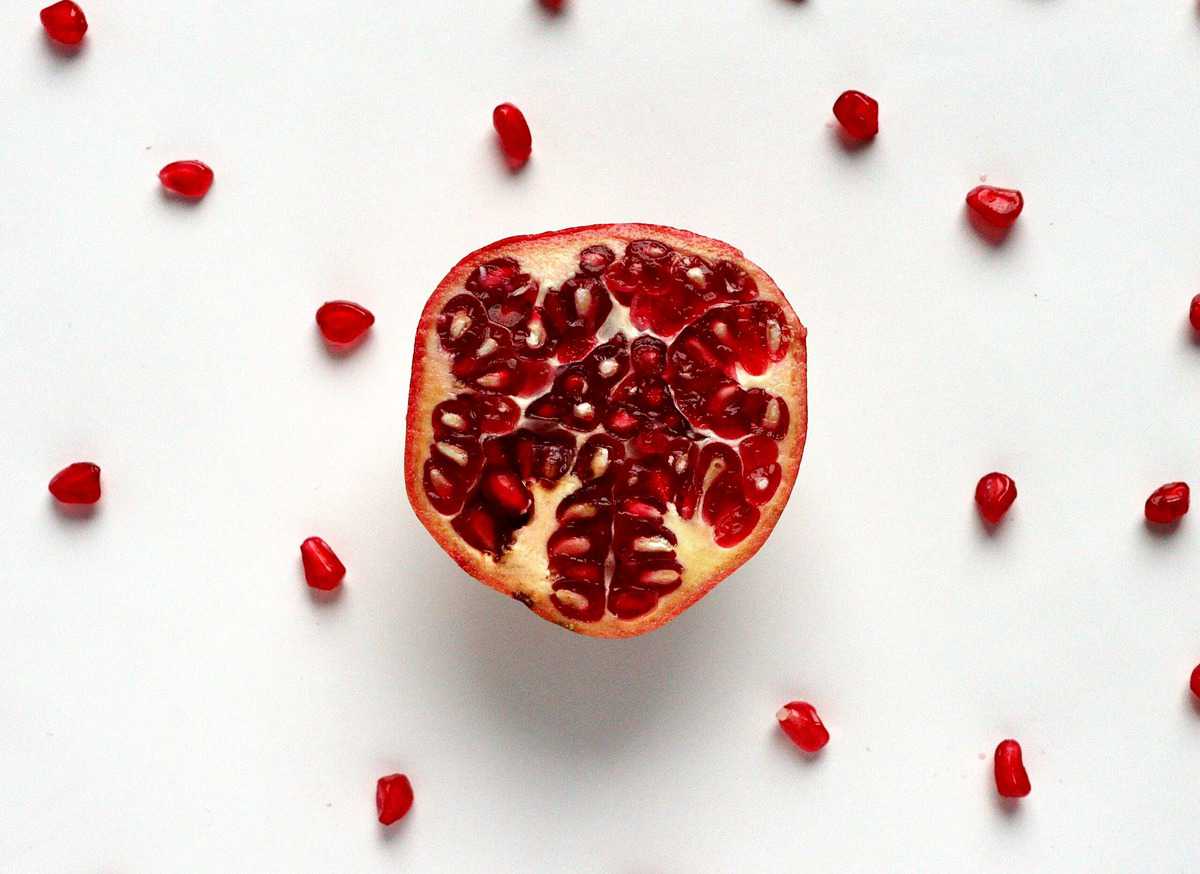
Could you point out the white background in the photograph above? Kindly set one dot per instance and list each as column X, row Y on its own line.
column 171, row 698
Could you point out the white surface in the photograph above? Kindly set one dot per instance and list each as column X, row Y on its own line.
column 172, row 699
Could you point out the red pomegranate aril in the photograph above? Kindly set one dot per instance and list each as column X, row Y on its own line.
column 77, row 483
column 393, row 798
column 1011, row 779
column 190, row 179
column 552, row 5
column 994, row 494
column 1168, row 503
column 1194, row 313
column 322, row 568
column 800, row 722
column 1194, row 682
column 342, row 322
column 632, row 603
column 515, row 139
column 858, row 114
column 998, row 207
column 64, row 22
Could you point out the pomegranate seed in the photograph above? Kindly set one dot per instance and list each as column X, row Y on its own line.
column 515, row 139
column 552, row 5
column 64, row 22
column 994, row 494
column 998, row 207
column 77, row 483
column 393, row 798
column 343, row 322
column 1168, row 504
column 858, row 114
column 187, row 178
column 1011, row 779
column 800, row 722
column 1195, row 681
column 322, row 569
column 1194, row 313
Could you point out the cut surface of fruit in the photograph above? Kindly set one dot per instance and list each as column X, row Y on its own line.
column 605, row 422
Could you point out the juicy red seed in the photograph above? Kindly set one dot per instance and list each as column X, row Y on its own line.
column 1011, row 779
column 858, row 114
column 998, row 207
column 187, row 178
column 1194, row 313
column 343, row 322
column 800, row 722
column 552, row 5
column 994, row 494
column 1168, row 504
column 515, row 139
column 393, row 798
column 1195, row 681
column 77, row 483
column 64, row 22
column 632, row 603
column 322, row 569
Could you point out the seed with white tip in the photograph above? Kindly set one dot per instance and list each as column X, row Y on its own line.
column 573, row 600
column 455, row 421
column 652, row 544
column 607, row 367
column 771, row 415
column 661, row 577
column 572, row 546
column 459, row 324
column 695, row 276
column 774, row 337
column 455, row 453
column 583, row 300
column 535, row 337
column 578, row 512
column 495, row 379
column 600, row 462
column 584, row 410
column 487, row 347
column 441, row 483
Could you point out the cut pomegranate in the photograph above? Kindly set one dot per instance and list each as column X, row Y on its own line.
column 800, row 722
column 858, row 114
column 994, row 494
column 77, row 483
column 515, row 140
column 322, row 568
column 1168, row 503
column 64, row 22
column 342, row 322
column 1011, row 779
column 393, row 798
column 605, row 422
column 998, row 207
column 190, row 179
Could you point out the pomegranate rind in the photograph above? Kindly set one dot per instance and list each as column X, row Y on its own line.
column 522, row 572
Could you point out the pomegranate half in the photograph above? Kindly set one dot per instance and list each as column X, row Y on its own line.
column 604, row 422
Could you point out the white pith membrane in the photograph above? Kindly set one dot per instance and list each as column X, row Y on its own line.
column 672, row 559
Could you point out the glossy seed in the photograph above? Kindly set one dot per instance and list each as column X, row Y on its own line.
column 1168, row 503
column 342, row 322
column 1195, row 681
column 190, row 179
column 1011, row 779
column 1194, row 313
column 515, row 138
column 858, row 114
column 393, row 798
column 800, row 722
column 322, row 568
column 994, row 494
column 77, row 483
column 998, row 207
column 64, row 22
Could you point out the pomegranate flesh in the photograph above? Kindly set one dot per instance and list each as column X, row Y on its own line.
column 605, row 422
